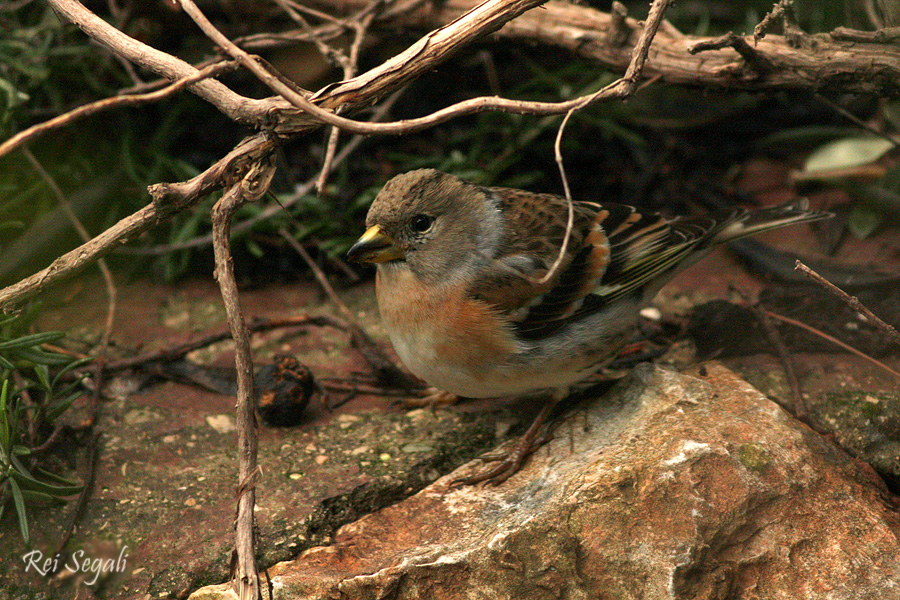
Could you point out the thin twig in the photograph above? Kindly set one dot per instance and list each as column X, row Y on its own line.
column 851, row 301
column 856, row 120
column 339, row 58
column 252, row 187
column 782, row 11
column 293, row 8
column 255, row 325
column 618, row 89
column 787, row 363
column 349, row 65
column 90, row 470
column 317, row 272
column 570, row 207
column 631, row 79
column 63, row 200
column 831, row 339
column 776, row 14
column 754, row 59
column 33, row 132
column 380, row 113
column 879, row 36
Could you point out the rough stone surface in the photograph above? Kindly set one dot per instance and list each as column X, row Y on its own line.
column 847, row 398
column 671, row 486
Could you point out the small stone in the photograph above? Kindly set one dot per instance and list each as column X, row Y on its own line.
column 651, row 313
column 321, row 459
column 220, row 423
column 416, row 447
column 141, row 415
column 345, row 421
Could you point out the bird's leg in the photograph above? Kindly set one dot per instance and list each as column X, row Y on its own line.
column 436, row 398
column 509, row 462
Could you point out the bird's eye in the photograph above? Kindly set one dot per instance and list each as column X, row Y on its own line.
column 420, row 223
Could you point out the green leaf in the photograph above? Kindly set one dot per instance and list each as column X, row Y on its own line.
column 53, row 412
column 5, row 425
column 43, row 375
column 19, row 467
column 29, row 483
column 8, row 319
column 255, row 250
column 32, row 495
column 863, row 221
column 892, row 112
column 40, row 357
column 31, row 340
column 805, row 136
column 72, row 365
column 847, row 153
column 19, row 502
column 56, row 478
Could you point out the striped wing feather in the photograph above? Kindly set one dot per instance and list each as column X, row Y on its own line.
column 613, row 250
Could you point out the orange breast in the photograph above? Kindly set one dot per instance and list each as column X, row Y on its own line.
column 442, row 323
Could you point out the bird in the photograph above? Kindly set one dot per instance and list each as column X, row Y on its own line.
column 491, row 292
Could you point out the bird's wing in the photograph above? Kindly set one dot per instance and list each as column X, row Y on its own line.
column 613, row 250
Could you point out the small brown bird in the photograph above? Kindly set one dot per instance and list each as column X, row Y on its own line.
column 484, row 293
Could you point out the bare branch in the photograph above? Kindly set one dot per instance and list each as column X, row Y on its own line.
column 168, row 199
column 27, row 135
column 831, row 339
column 631, row 77
column 821, row 62
column 756, row 61
column 251, row 187
column 235, row 106
column 85, row 236
column 851, row 301
column 879, row 36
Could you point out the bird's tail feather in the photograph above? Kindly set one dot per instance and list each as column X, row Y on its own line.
column 754, row 221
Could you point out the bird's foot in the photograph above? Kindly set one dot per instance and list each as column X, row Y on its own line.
column 436, row 398
column 509, row 462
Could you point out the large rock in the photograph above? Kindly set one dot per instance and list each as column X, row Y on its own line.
column 670, row 486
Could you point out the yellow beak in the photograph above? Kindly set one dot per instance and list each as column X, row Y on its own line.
column 375, row 246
